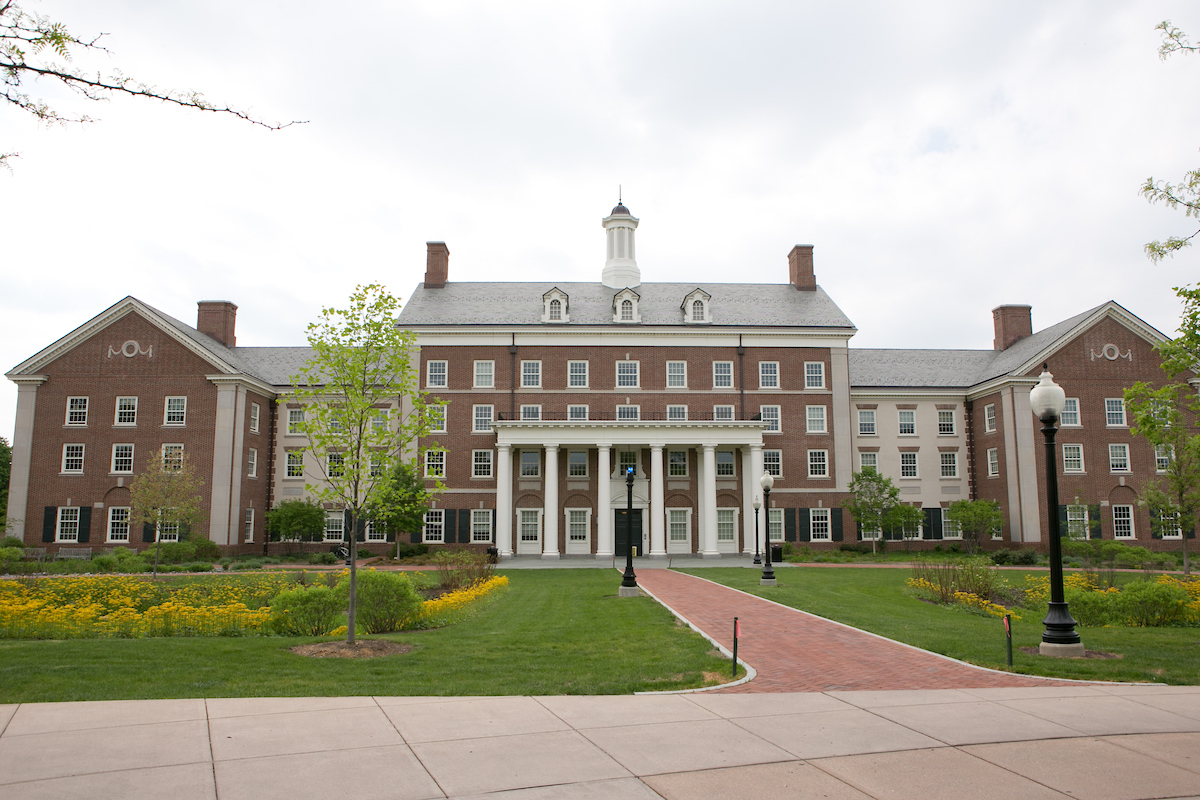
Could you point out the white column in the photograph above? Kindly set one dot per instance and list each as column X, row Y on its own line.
column 708, row 495
column 550, row 503
column 604, row 514
column 504, row 509
column 22, row 456
column 222, row 468
column 749, row 492
column 657, row 510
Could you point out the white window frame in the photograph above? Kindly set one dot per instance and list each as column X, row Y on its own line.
column 621, row 462
column 866, row 422
column 818, row 463
column 676, row 374
column 632, row 369
column 946, row 423
column 1077, row 522
column 435, row 463
column 252, row 462
column 481, row 518
column 627, row 310
column 916, row 469
column 118, row 516
column 723, row 413
column 989, row 418
column 773, row 462
column 949, row 464
column 679, row 520
column 171, row 448
column 175, row 417
column 773, row 416
column 166, row 531
column 335, row 526
column 1177, row 528
column 255, row 417
column 575, row 519
column 576, row 458
column 729, row 525
column 130, row 409
column 248, row 526
column 1164, row 454
column 1114, row 409
column 69, row 457
column 677, row 413
column 993, row 462
column 901, row 422
column 768, row 375
column 814, row 374
column 950, row 529
column 699, row 313
column 815, row 422
column 1076, row 454
column 629, row 413
column 128, row 458
column 294, row 463
column 435, row 416
column 554, row 310
column 482, row 463
column 816, row 517
column 295, row 422
column 577, row 412
column 722, row 374
column 77, row 412
column 577, row 379
column 868, row 459
column 434, row 529
column 1116, row 454
column 531, row 412
column 530, row 467
column 1070, row 416
column 531, row 374
column 484, row 373
column 726, row 464
column 335, row 465
column 531, row 517
column 439, row 378
column 774, row 524
column 67, row 517
column 1125, row 516
column 677, row 463
column 479, row 416
column 373, row 533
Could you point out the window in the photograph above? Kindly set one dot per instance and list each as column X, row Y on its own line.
column 627, row 311
column 375, row 465
column 295, row 421
column 577, row 412
column 818, row 520
column 697, row 311
column 677, row 522
column 248, row 525
column 176, row 411
column 434, row 521
column 1164, row 454
column 677, row 412
column 335, row 526
column 531, row 374
column 435, row 375
column 816, row 419
column 335, row 465
column 481, row 522
column 945, row 423
column 722, row 374
column 868, row 460
column 166, row 531
column 577, row 374
column 556, row 310
column 908, row 465
column 531, row 413
column 1072, row 457
column 254, row 417
column 773, row 462
column 628, row 412
column 677, row 463
column 677, row 374
column 627, row 374
column 770, row 415
column 67, row 525
column 482, row 419
column 77, row 410
column 725, row 464
column 435, row 416
column 908, row 422
column 950, row 529
column 726, row 524
column 1070, row 415
column 577, row 525
column 989, row 418
column 485, row 375
column 1114, row 412
column 530, row 525
column 72, row 460
column 1118, row 458
column 295, row 464
column 1169, row 525
column 866, row 422
column 435, row 463
column 122, row 458
column 722, row 412
column 1122, row 522
column 993, row 462
column 481, row 463
column 814, row 375
column 375, row 532
column 252, row 463
column 1077, row 522
column 949, row 465
column 577, row 464
column 768, row 374
column 774, row 524
column 172, row 457
column 818, row 463
column 118, row 524
column 531, row 464
column 627, row 460
column 126, row 411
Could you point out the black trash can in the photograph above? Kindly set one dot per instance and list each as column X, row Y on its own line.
column 493, row 555
column 777, row 553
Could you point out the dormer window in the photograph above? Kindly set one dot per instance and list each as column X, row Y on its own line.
column 625, row 306
column 555, row 306
column 626, row 311
column 695, row 307
column 697, row 311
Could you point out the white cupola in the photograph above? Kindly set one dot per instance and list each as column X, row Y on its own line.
column 620, row 268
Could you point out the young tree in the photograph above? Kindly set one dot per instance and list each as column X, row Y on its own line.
column 402, row 500
column 166, row 494
column 296, row 520
column 363, row 411
column 876, row 507
column 977, row 519
column 5, row 470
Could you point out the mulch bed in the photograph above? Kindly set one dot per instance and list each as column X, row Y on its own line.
column 363, row 648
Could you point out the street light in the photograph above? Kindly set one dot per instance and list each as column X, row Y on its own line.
column 768, row 574
column 757, row 505
column 629, row 586
column 1060, row 638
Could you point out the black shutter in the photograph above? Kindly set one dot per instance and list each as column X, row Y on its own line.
column 347, row 530
column 147, row 532
column 464, row 526
column 1155, row 529
column 85, row 524
column 494, row 541
column 1094, row 522
column 804, row 526
column 415, row 536
column 835, row 524
column 1190, row 533
column 449, row 529
column 49, row 523
column 389, row 535
column 1063, row 530
column 933, row 523
column 789, row 524
column 361, row 530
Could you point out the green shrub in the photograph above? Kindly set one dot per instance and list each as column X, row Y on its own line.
column 1091, row 609
column 105, row 563
column 459, row 568
column 172, row 552
column 314, row 611
column 407, row 550
column 322, row 558
column 205, row 549
column 199, row 566
column 851, row 547
column 1026, row 556
column 9, row 556
column 1143, row 604
column 1002, row 556
column 385, row 600
column 12, row 541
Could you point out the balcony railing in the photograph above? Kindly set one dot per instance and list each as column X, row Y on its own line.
column 613, row 416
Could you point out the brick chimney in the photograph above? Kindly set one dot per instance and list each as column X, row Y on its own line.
column 800, row 268
column 437, row 265
column 1012, row 324
column 216, row 318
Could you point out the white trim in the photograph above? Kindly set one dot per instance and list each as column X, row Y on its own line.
column 578, row 547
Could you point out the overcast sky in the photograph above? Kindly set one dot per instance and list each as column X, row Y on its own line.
column 944, row 158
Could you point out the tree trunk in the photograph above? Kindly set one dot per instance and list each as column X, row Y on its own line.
column 351, row 549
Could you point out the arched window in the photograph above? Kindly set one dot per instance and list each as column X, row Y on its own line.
column 556, row 310
column 698, row 311
column 626, row 310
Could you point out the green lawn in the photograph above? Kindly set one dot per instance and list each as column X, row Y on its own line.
column 553, row 632
column 874, row 599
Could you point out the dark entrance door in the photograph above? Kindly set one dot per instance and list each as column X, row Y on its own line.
column 622, row 526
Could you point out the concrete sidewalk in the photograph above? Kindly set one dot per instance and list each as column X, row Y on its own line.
column 1107, row 741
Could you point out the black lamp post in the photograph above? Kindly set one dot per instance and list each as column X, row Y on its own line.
column 629, row 586
column 768, row 574
column 757, row 505
column 1060, row 638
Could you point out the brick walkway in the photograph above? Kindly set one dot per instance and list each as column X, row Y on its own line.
column 794, row 651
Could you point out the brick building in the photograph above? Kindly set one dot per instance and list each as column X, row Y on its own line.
column 554, row 390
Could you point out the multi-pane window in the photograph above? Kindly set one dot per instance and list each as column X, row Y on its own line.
column 72, row 460
column 950, row 529
column 435, row 375
column 770, row 415
column 434, row 415
column 989, row 418
column 1114, row 412
column 626, row 311
column 176, row 411
column 627, row 460
column 814, row 375
column 1118, row 458
column 677, row 412
column 481, row 463
column 1122, row 522
column 1077, row 521
column 1072, row 455
column 628, row 412
column 949, row 465
column 818, row 463
column 627, row 374
column 481, row 523
column 722, row 374
column 122, row 458
column 945, row 422
column 722, row 412
column 531, row 374
column 118, row 524
column 908, row 422
column 77, row 410
column 697, row 311
column 167, row 531
column 335, row 526
column 252, row 463
column 1070, row 414
column 577, row 374
column 677, row 463
column 773, row 462
column 677, row 524
column 172, row 457
column 816, row 419
column 435, row 463
column 1169, row 525
column 868, row 460
column 577, row 463
column 819, row 529
column 577, row 412
column 725, row 464
column 485, row 374
column 434, row 525
column 481, row 419
column 908, row 465
column 677, row 374
column 768, row 374
column 775, row 524
column 335, row 465
column 531, row 413
column 993, row 462
column 866, row 422
column 248, row 525
column 577, row 524
column 295, row 463
column 726, row 524
column 126, row 411
column 255, row 413
column 295, row 423
column 67, row 525
column 1163, row 455
column 556, row 310
column 530, row 525
column 531, row 464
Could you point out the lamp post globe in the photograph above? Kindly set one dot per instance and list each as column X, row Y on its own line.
column 757, row 505
column 768, row 574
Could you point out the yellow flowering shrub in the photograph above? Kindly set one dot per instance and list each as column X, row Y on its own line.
column 929, row 591
column 457, row 606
